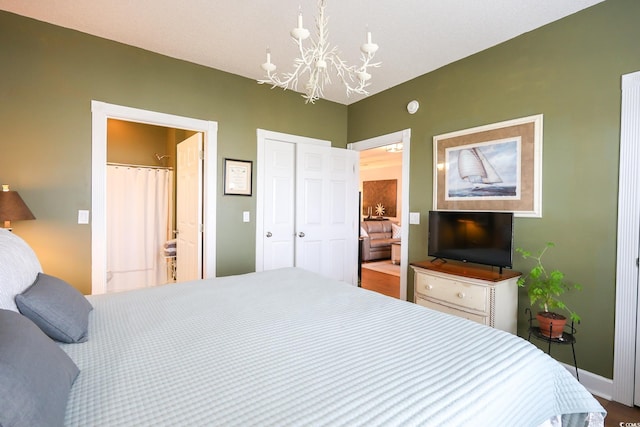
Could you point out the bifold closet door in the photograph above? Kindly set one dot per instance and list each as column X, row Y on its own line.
column 310, row 209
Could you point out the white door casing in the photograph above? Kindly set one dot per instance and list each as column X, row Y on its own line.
column 626, row 358
column 189, row 209
column 404, row 137
column 100, row 112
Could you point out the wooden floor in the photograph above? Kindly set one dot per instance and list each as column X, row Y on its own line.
column 619, row 414
column 386, row 284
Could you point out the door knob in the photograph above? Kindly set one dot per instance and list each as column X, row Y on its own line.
column 269, row 234
column 301, row 234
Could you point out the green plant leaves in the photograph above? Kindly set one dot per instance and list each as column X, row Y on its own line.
column 545, row 288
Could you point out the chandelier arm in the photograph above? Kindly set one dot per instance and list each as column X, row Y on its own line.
column 343, row 71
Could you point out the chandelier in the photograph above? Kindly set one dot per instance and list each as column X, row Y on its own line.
column 317, row 59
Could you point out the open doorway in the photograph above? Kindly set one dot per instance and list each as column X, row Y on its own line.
column 101, row 113
column 380, row 218
column 144, row 181
column 384, row 176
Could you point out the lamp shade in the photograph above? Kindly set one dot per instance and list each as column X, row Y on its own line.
column 13, row 208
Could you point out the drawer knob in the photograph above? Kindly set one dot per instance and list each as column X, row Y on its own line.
column 429, row 287
column 461, row 295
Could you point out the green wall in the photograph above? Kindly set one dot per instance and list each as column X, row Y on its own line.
column 570, row 71
column 49, row 77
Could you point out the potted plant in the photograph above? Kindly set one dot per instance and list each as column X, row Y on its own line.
column 544, row 289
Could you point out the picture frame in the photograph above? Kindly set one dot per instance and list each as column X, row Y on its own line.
column 237, row 177
column 379, row 198
column 496, row 167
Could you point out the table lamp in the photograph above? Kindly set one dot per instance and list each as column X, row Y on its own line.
column 12, row 207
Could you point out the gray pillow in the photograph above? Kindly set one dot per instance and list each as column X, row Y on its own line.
column 35, row 374
column 57, row 308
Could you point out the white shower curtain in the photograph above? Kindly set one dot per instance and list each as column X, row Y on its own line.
column 139, row 221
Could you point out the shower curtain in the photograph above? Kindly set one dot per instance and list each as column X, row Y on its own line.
column 139, row 218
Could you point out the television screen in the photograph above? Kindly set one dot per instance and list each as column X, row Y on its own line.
column 478, row 237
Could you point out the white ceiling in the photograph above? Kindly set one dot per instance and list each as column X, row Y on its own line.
column 415, row 36
column 375, row 158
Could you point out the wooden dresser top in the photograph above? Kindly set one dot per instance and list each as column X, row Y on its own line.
column 474, row 271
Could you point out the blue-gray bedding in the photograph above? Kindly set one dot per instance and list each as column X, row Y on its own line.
column 287, row 347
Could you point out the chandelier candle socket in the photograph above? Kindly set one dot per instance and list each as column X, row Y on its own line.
column 318, row 59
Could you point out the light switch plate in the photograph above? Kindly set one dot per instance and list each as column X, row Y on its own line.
column 246, row 217
column 83, row 216
column 414, row 217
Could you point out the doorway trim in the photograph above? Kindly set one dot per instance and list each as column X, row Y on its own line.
column 100, row 112
column 625, row 344
column 262, row 135
column 403, row 136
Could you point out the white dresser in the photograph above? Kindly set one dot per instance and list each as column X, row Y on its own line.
column 474, row 292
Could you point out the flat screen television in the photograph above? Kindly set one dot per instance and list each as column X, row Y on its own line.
column 478, row 237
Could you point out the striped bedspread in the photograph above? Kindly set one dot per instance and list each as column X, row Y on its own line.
column 289, row 348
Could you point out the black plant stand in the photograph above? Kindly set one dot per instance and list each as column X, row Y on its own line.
column 568, row 337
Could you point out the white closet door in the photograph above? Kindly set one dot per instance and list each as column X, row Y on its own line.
column 279, row 220
column 327, row 211
column 309, row 209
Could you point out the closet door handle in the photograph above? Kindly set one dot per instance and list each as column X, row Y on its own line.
column 269, row 234
column 301, row 234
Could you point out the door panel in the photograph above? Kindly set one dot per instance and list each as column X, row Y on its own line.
column 189, row 209
column 279, row 199
column 327, row 217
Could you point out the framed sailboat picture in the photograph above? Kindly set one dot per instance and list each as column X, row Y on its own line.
column 496, row 167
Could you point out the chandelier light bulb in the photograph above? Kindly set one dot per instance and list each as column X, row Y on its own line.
column 368, row 47
column 299, row 32
column 268, row 66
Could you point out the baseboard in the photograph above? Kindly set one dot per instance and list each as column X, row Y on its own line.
column 600, row 386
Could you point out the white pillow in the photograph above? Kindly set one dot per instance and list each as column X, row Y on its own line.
column 19, row 267
column 396, row 231
column 363, row 232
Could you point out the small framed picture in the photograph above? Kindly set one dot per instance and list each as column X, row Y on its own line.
column 237, row 177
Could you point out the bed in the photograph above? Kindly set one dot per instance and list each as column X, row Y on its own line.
column 288, row 347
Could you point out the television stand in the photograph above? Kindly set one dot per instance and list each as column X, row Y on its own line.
column 472, row 291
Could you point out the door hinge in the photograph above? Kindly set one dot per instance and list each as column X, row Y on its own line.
column 201, row 227
column 201, row 154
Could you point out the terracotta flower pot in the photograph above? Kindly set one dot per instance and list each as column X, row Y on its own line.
column 551, row 323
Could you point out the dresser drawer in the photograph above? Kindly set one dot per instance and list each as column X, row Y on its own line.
column 445, row 309
column 452, row 291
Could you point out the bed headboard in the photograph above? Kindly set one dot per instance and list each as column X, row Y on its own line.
column 19, row 267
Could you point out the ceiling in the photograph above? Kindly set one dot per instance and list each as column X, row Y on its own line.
column 375, row 158
column 415, row 36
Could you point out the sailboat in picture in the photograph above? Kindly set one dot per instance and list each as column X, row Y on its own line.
column 475, row 169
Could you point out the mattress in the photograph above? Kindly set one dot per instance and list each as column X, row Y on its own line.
column 288, row 347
